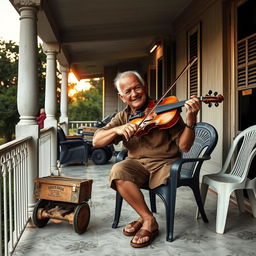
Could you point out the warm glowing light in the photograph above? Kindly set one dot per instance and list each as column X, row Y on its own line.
column 72, row 78
column 77, row 86
column 82, row 85
column 153, row 48
column 71, row 92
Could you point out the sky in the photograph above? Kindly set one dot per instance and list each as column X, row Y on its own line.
column 9, row 22
column 10, row 30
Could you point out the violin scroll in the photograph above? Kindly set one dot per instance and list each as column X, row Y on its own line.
column 208, row 99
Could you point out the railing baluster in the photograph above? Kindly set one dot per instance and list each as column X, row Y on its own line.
column 13, row 193
column 77, row 124
column 5, row 211
column 15, row 197
column 9, row 172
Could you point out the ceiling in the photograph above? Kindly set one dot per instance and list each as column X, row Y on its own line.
column 98, row 33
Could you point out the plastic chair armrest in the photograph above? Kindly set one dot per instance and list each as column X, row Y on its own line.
column 176, row 165
column 121, row 155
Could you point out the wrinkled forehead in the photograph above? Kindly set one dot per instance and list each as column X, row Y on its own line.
column 130, row 80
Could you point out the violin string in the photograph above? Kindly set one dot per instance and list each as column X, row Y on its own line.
column 192, row 61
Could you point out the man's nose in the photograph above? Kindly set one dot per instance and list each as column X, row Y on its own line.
column 133, row 92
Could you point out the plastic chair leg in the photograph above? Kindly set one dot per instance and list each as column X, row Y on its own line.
column 204, row 190
column 170, row 207
column 252, row 199
column 240, row 200
column 222, row 210
column 119, row 201
column 152, row 197
column 199, row 203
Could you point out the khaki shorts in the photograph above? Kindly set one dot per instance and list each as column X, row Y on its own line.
column 141, row 171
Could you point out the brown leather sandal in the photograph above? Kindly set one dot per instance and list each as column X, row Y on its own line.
column 143, row 233
column 136, row 225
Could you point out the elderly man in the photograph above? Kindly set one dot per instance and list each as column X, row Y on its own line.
column 149, row 157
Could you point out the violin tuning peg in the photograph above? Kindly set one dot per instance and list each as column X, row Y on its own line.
column 210, row 92
column 216, row 104
column 209, row 104
column 215, row 94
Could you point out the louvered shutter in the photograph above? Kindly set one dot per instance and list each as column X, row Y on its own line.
column 246, row 62
column 194, row 71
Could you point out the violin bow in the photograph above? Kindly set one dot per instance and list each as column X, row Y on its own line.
column 191, row 62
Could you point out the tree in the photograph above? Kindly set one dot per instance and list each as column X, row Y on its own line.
column 8, row 88
column 87, row 105
column 9, row 53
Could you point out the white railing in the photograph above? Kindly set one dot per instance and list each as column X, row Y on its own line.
column 13, row 193
column 77, row 124
column 45, row 152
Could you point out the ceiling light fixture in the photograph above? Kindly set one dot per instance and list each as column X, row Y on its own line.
column 155, row 45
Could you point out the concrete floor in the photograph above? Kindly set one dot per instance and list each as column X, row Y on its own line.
column 191, row 236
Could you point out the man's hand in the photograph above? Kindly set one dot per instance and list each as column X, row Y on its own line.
column 126, row 130
column 192, row 106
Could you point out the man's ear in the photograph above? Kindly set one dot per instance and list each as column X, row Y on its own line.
column 122, row 98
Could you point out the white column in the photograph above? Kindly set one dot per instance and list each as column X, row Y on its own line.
column 64, row 98
column 51, row 51
column 27, row 96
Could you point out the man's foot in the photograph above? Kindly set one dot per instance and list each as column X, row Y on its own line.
column 132, row 228
column 146, row 234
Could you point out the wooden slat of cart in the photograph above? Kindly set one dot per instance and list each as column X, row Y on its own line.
column 63, row 189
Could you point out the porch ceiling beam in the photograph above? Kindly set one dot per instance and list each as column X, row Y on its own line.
column 112, row 33
column 81, row 57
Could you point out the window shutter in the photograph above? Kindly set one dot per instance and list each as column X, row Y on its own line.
column 194, row 71
column 246, row 62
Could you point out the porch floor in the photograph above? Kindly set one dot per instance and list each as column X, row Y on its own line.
column 191, row 236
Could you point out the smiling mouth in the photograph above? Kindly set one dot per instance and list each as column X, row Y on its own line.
column 138, row 98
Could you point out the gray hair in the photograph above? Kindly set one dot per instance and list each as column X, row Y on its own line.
column 125, row 74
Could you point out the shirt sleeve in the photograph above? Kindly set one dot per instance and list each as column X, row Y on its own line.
column 117, row 120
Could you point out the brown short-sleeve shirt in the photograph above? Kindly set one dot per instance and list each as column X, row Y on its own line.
column 158, row 144
column 154, row 150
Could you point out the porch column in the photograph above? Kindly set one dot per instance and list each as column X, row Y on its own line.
column 51, row 51
column 27, row 95
column 64, row 99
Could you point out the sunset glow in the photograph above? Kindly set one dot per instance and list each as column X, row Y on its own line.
column 77, row 86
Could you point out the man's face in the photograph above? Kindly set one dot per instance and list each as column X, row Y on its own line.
column 133, row 92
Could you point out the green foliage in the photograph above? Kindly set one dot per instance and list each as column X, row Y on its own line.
column 9, row 53
column 8, row 88
column 41, row 75
column 87, row 105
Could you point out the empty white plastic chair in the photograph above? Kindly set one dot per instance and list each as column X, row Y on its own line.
column 233, row 177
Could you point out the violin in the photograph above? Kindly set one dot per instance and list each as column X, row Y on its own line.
column 166, row 113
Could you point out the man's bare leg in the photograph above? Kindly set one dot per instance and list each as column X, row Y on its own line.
column 134, row 197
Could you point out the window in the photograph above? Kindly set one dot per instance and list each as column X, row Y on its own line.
column 194, row 87
column 246, row 68
column 246, row 63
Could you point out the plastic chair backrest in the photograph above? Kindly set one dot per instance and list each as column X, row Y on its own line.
column 247, row 141
column 206, row 138
column 61, row 134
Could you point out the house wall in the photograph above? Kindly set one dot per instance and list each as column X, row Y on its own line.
column 110, row 98
column 209, row 14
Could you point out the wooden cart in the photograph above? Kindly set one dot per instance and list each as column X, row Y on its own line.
column 62, row 198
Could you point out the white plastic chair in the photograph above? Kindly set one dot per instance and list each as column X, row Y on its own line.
column 235, row 179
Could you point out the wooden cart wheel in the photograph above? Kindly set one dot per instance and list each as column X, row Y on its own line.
column 81, row 218
column 39, row 222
